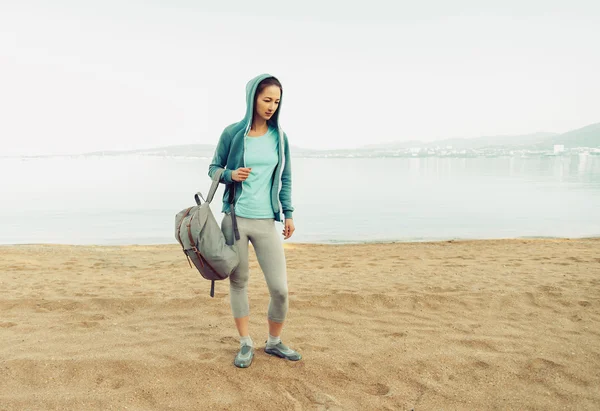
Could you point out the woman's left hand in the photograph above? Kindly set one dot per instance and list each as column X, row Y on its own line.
column 288, row 228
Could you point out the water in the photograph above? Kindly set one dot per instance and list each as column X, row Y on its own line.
column 134, row 199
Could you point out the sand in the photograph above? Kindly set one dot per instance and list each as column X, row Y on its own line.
column 503, row 324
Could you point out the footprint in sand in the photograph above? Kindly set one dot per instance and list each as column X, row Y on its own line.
column 7, row 324
column 356, row 366
column 397, row 335
column 88, row 324
column 481, row 364
column 115, row 384
column 208, row 357
column 584, row 303
column 575, row 318
column 316, row 348
column 228, row 340
column 378, row 389
column 542, row 364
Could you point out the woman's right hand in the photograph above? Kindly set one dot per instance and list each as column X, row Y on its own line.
column 240, row 174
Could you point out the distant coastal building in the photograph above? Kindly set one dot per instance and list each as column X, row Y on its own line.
column 559, row 148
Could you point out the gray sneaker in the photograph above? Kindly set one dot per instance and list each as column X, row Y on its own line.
column 244, row 357
column 283, row 351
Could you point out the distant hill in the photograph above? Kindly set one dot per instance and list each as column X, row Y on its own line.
column 588, row 136
column 469, row 143
column 498, row 141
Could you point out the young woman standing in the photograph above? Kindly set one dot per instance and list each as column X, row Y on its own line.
column 256, row 157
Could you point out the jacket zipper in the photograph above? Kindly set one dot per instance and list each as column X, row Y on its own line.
column 244, row 161
column 282, row 157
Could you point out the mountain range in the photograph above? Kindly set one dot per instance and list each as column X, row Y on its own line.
column 588, row 136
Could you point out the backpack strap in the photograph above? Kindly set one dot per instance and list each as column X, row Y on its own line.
column 211, row 194
column 215, row 184
column 213, row 188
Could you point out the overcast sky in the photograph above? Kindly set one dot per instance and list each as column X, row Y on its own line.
column 80, row 75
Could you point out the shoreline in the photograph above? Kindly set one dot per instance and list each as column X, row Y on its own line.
column 328, row 243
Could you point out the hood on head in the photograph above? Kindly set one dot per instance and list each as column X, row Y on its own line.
column 251, row 87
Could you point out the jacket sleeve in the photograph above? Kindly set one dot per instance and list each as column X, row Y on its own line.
column 220, row 158
column 285, row 194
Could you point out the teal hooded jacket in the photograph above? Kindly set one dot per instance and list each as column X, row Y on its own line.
column 230, row 155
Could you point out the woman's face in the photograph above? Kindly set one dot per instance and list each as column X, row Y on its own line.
column 267, row 102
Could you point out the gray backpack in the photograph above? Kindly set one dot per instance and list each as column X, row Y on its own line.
column 203, row 241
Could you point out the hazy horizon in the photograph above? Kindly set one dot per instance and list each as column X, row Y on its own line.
column 110, row 76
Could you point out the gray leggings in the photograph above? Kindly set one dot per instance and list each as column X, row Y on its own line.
column 269, row 252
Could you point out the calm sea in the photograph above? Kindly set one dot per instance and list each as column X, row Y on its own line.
column 134, row 199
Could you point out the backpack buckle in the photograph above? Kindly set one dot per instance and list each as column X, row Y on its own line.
column 195, row 250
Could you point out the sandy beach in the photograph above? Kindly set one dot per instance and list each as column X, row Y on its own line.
column 465, row 325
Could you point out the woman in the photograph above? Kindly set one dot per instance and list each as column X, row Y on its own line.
column 256, row 157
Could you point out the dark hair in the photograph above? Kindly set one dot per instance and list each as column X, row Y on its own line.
column 269, row 81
